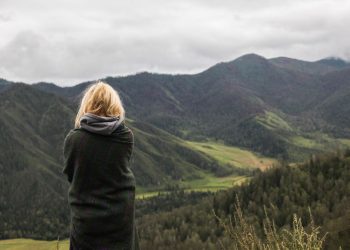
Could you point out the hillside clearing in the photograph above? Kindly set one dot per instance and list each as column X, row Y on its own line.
column 233, row 156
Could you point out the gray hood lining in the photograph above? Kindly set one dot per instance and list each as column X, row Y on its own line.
column 100, row 124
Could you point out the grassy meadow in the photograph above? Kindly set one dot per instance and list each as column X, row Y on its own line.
column 233, row 156
column 29, row 244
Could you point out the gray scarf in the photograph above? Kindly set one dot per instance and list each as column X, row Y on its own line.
column 100, row 124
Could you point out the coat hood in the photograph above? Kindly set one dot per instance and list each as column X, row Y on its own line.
column 100, row 124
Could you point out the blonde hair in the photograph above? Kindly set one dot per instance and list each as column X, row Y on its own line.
column 100, row 99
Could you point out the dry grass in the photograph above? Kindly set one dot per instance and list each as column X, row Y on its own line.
column 242, row 236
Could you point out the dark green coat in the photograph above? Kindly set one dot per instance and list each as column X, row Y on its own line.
column 102, row 189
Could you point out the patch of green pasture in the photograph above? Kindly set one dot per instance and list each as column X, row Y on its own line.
column 234, row 156
column 149, row 194
column 301, row 141
column 29, row 244
column 320, row 141
column 208, row 182
column 344, row 142
column 273, row 121
column 213, row 183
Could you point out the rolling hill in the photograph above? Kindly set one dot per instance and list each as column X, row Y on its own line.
column 230, row 102
column 335, row 107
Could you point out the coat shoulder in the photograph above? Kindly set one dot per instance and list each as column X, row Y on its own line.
column 71, row 133
column 130, row 134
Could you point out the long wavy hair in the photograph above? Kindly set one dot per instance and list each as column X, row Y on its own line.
column 102, row 100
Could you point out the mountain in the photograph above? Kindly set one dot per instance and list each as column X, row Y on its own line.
column 334, row 62
column 320, row 67
column 335, row 106
column 4, row 84
column 234, row 102
column 31, row 123
column 315, row 68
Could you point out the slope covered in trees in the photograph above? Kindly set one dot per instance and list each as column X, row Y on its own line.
column 321, row 184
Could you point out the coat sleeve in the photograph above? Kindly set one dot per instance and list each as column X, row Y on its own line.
column 68, row 162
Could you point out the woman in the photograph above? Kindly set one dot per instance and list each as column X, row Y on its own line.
column 102, row 187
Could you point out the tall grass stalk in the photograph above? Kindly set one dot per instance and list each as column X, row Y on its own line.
column 243, row 236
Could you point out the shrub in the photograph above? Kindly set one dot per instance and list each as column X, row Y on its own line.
column 240, row 235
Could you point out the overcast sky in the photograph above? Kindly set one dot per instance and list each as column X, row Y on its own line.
column 70, row 41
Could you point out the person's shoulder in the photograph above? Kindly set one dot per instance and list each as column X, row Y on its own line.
column 127, row 127
column 73, row 131
column 124, row 133
column 125, row 124
column 128, row 130
column 123, row 127
column 131, row 134
column 71, row 134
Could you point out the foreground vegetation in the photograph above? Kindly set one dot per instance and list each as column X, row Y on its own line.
column 320, row 185
column 239, row 236
column 243, row 236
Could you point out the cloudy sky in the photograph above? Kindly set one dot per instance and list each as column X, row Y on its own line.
column 67, row 42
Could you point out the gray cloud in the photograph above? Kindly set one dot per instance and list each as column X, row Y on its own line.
column 67, row 42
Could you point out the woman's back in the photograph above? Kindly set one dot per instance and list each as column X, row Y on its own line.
column 102, row 186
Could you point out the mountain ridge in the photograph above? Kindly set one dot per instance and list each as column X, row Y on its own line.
column 229, row 93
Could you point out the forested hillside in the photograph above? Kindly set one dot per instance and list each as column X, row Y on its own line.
column 321, row 184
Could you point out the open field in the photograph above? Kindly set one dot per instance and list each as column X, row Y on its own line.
column 234, row 156
column 212, row 183
column 208, row 183
column 29, row 244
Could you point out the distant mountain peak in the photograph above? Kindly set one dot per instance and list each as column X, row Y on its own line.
column 285, row 59
column 239, row 64
column 247, row 58
column 46, row 83
column 320, row 67
column 334, row 62
column 4, row 81
column 250, row 57
column 334, row 58
column 18, row 88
